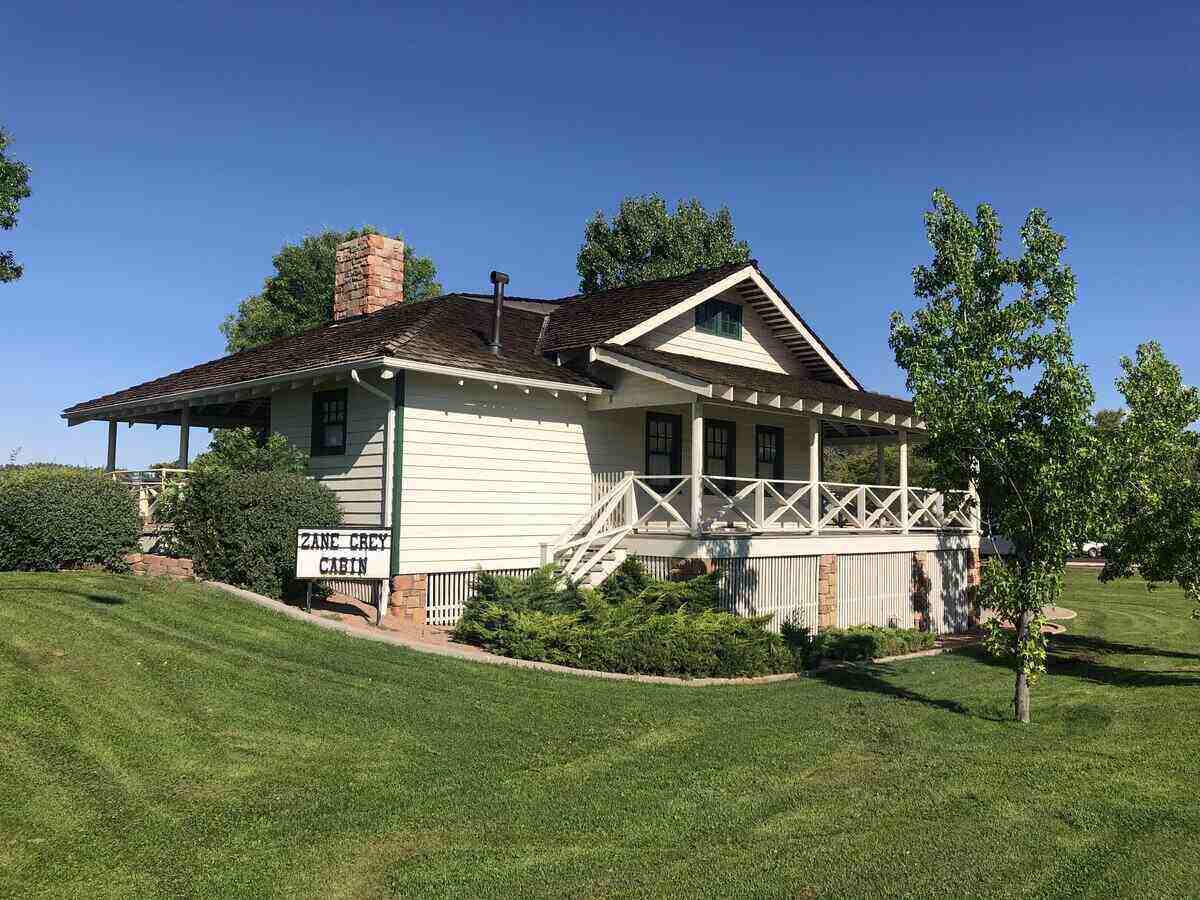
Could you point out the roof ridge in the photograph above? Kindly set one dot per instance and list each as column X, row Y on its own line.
column 656, row 281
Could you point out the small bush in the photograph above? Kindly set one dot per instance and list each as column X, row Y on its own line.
column 241, row 528
column 56, row 517
column 863, row 642
column 633, row 624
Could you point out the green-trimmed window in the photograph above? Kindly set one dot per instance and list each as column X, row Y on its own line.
column 720, row 318
column 768, row 452
column 720, row 441
column 663, row 449
column 329, row 414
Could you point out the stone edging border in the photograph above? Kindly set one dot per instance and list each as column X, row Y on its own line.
column 482, row 656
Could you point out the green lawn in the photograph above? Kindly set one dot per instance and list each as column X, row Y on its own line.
column 168, row 740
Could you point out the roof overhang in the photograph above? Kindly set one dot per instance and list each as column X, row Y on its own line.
column 163, row 408
column 778, row 314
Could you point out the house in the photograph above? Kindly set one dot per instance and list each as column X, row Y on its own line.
column 683, row 419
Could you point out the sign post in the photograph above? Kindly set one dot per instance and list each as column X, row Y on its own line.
column 345, row 554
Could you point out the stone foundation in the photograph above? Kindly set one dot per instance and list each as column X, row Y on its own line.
column 827, row 590
column 408, row 597
column 922, row 585
column 153, row 564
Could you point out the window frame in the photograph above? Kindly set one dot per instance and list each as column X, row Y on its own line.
column 720, row 318
column 777, row 463
column 317, row 446
column 658, row 483
column 719, row 478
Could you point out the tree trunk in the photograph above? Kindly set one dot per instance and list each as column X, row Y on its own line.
column 1021, row 694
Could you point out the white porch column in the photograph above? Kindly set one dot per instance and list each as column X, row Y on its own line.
column 902, row 447
column 185, row 422
column 111, row 465
column 697, row 493
column 814, row 474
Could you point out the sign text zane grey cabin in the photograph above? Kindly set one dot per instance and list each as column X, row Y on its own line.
column 343, row 553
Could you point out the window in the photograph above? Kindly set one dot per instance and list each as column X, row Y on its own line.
column 329, row 423
column 719, row 446
column 768, row 452
column 663, row 448
column 719, row 318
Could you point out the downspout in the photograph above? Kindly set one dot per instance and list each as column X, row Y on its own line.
column 387, row 503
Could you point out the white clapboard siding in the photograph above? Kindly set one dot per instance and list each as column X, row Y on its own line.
column 356, row 477
column 949, row 610
column 490, row 475
column 758, row 348
column 875, row 589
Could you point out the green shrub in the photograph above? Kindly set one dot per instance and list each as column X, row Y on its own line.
column 633, row 624
column 241, row 528
column 863, row 642
column 55, row 517
column 800, row 640
column 246, row 450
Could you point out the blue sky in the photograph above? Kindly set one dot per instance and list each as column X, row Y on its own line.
column 176, row 146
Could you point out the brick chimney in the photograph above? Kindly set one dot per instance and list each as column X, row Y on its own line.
column 368, row 275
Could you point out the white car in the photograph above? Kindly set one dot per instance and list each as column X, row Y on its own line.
column 1092, row 549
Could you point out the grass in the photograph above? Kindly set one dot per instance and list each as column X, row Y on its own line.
column 165, row 740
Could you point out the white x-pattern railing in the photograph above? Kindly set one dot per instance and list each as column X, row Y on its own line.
column 629, row 502
column 148, row 486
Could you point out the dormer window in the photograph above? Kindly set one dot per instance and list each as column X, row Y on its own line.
column 719, row 318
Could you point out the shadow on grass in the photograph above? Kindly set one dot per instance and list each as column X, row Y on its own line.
column 875, row 678
column 102, row 599
column 1079, row 656
column 1080, row 643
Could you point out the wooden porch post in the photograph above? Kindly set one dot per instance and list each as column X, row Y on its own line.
column 111, row 465
column 185, row 421
column 697, row 493
column 902, row 447
column 814, row 474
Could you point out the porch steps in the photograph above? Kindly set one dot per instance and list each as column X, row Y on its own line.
column 604, row 566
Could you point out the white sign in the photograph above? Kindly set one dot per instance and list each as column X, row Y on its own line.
column 343, row 553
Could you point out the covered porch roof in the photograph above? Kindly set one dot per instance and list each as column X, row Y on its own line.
column 850, row 413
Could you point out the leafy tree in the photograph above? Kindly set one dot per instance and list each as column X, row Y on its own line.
column 1108, row 420
column 299, row 296
column 14, row 187
column 645, row 242
column 1153, row 482
column 990, row 364
column 860, row 465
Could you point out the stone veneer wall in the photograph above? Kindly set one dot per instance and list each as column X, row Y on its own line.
column 153, row 564
column 408, row 596
column 827, row 591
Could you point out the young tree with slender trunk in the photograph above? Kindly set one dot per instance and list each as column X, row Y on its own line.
column 990, row 364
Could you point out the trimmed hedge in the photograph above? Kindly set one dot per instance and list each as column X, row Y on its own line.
column 57, row 517
column 241, row 528
column 635, row 624
column 864, row 642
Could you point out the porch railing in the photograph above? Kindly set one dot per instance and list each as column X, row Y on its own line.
column 149, row 486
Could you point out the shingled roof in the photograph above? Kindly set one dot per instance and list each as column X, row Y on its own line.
column 453, row 330
column 587, row 319
column 761, row 380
